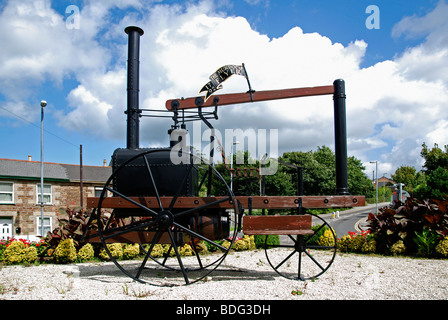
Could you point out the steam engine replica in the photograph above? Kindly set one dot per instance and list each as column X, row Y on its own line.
column 148, row 200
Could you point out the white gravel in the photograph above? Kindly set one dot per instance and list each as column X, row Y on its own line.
column 351, row 277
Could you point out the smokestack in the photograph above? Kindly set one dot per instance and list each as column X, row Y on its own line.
column 30, row 158
column 340, row 134
column 133, row 111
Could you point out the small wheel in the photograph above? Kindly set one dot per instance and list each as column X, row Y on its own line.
column 301, row 257
column 175, row 228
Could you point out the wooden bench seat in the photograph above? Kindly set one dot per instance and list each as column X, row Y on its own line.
column 280, row 225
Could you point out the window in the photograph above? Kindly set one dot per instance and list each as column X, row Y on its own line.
column 98, row 191
column 6, row 192
column 47, row 193
column 47, row 224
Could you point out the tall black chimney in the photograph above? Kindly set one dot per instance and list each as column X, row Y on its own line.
column 133, row 111
column 340, row 134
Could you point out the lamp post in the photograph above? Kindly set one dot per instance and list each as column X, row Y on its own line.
column 376, row 183
column 43, row 104
column 231, row 165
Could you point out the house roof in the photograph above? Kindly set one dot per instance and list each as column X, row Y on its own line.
column 30, row 170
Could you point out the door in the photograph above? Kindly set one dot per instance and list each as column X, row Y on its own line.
column 5, row 228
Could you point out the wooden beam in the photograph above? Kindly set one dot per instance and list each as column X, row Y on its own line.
column 258, row 202
column 238, row 98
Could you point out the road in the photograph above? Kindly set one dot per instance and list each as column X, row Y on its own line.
column 351, row 220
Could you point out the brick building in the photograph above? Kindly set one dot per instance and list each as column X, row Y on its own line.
column 20, row 209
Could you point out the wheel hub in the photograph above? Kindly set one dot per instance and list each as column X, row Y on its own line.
column 165, row 219
column 300, row 245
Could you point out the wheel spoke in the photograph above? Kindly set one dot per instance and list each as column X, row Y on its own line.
column 181, row 185
column 153, row 182
column 183, row 213
column 179, row 259
column 314, row 260
column 126, row 229
column 292, row 238
column 148, row 254
column 152, row 212
column 197, row 235
column 197, row 254
column 315, row 233
column 284, row 260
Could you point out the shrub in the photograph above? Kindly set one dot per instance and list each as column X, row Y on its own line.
column 260, row 240
column 131, row 251
column 185, row 250
column 357, row 242
column 245, row 243
column 398, row 248
column 426, row 242
column 326, row 239
column 408, row 222
column 157, row 250
column 14, row 253
column 344, row 243
column 115, row 249
column 201, row 247
column 86, row 252
column 30, row 255
column 19, row 251
column 442, row 247
column 65, row 252
column 369, row 246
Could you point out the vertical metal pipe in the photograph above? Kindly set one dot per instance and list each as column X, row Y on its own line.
column 340, row 136
column 42, row 104
column 133, row 111
column 80, row 179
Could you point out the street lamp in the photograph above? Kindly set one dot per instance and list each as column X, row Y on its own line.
column 231, row 165
column 376, row 183
column 43, row 104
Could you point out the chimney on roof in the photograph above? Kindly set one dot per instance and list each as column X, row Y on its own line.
column 30, row 158
column 104, row 163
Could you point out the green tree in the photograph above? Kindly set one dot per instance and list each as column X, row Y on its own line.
column 358, row 182
column 434, row 157
column 319, row 175
column 406, row 175
column 435, row 169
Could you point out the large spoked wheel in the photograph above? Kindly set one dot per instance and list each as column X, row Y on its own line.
column 303, row 257
column 175, row 248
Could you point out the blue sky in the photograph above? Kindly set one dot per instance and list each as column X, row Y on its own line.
column 396, row 75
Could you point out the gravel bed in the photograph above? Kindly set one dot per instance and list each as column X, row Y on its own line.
column 242, row 276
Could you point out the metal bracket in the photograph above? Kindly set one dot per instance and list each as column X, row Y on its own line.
column 248, row 83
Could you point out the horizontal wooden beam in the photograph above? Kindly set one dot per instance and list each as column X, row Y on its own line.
column 257, row 202
column 238, row 98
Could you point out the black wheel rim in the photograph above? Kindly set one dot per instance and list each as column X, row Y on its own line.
column 172, row 269
column 298, row 257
